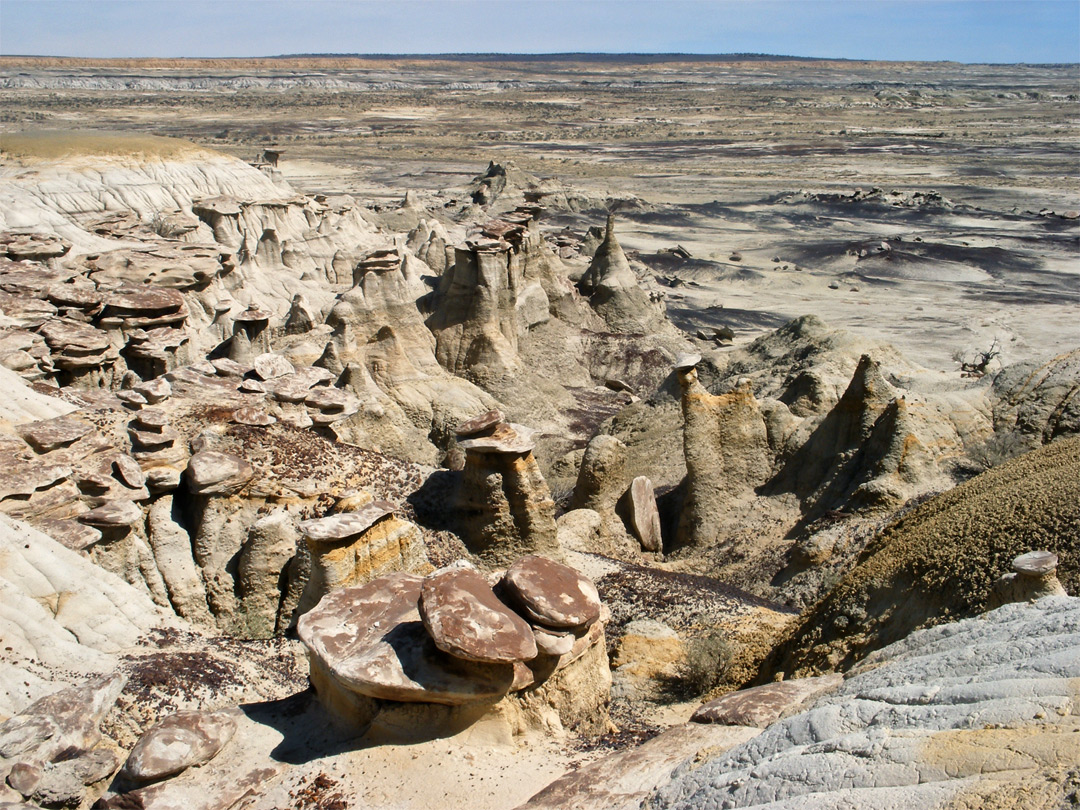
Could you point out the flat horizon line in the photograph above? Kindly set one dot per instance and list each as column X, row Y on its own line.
column 555, row 56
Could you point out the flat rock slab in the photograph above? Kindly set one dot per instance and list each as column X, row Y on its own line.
column 685, row 362
column 344, row 525
column 467, row 620
column 51, row 434
column 271, row 366
column 325, row 398
column 70, row 533
column 761, row 705
column 623, row 780
column 69, row 336
column 143, row 438
column 155, row 391
column 178, row 742
column 229, row 368
column 479, row 424
column 115, row 513
column 152, row 418
column 372, row 641
column 644, row 516
column 504, row 438
column 68, row 295
column 66, row 720
column 26, row 479
column 551, row 593
column 129, row 471
column 212, row 473
column 143, row 301
column 255, row 417
column 1036, row 563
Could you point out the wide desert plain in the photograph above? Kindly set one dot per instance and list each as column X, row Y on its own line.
column 798, row 507
column 775, row 176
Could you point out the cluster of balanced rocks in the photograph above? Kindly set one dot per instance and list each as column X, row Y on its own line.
column 464, row 644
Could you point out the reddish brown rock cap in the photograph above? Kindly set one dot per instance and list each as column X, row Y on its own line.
column 467, row 620
column 478, row 424
column 551, row 593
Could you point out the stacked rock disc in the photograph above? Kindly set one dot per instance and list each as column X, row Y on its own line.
column 450, row 638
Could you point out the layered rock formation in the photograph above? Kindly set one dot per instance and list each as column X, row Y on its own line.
column 448, row 640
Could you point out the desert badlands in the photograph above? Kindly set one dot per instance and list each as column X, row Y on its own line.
column 535, row 434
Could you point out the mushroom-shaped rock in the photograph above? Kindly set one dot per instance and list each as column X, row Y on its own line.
column 50, row 434
column 213, row 473
column 1034, row 576
column 552, row 594
column 685, row 362
column 112, row 514
column 271, row 366
column 1036, row 563
column 467, row 620
column 369, row 640
column 479, row 424
column 353, row 547
column 256, row 417
column 344, row 525
column 178, row 742
column 254, row 315
column 504, row 438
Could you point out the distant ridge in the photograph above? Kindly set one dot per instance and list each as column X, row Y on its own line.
column 568, row 57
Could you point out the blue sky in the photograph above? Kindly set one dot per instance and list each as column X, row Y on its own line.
column 959, row 30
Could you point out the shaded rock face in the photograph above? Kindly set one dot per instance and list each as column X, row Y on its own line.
column 727, row 456
column 871, row 449
column 967, row 710
column 602, row 481
column 505, row 503
column 1039, row 402
column 475, row 322
column 447, row 639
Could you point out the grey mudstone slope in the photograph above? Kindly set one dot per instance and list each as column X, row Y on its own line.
column 948, row 716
